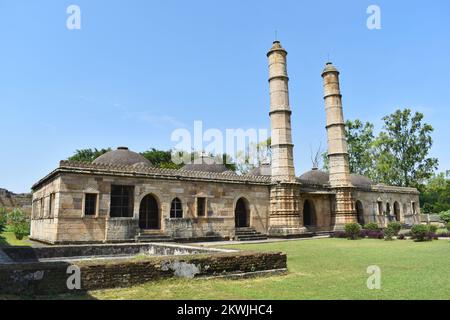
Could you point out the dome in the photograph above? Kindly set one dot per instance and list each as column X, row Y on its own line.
column 205, row 164
column 315, row 176
column 122, row 156
column 263, row 170
column 360, row 181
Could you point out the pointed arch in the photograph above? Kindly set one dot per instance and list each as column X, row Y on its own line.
column 242, row 213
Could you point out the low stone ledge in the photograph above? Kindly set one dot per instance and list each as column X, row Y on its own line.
column 46, row 278
column 30, row 254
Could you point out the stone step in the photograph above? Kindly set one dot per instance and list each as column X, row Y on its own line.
column 253, row 238
column 246, row 232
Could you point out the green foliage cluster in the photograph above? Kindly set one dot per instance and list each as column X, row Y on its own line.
column 395, row 227
column 389, row 234
column 158, row 158
column 3, row 219
column 445, row 216
column 420, row 232
column 87, row 155
column 352, row 230
column 19, row 222
column 448, row 226
column 371, row 226
column 435, row 195
column 398, row 156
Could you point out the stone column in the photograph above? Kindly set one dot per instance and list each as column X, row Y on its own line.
column 280, row 116
column 285, row 192
column 344, row 210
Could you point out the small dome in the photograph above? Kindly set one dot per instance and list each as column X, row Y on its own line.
column 205, row 164
column 263, row 170
column 360, row 181
column 122, row 156
column 315, row 176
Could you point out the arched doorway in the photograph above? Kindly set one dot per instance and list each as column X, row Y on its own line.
column 241, row 214
column 397, row 211
column 149, row 213
column 309, row 214
column 360, row 212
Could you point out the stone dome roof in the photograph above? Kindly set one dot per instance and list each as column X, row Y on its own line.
column 360, row 181
column 122, row 156
column 205, row 164
column 263, row 170
column 315, row 176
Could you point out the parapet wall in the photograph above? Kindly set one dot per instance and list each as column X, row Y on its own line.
column 49, row 278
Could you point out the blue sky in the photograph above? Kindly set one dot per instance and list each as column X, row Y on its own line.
column 137, row 70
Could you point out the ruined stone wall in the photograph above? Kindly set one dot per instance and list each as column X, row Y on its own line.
column 10, row 200
column 51, row 278
column 74, row 226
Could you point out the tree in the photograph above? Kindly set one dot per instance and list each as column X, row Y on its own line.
column 87, row 155
column 256, row 155
column 360, row 141
column 435, row 194
column 403, row 148
column 160, row 159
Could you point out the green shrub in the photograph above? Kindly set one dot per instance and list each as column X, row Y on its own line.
column 432, row 228
column 352, row 230
column 419, row 232
column 372, row 226
column 389, row 233
column 3, row 219
column 395, row 226
column 19, row 223
column 445, row 216
column 448, row 226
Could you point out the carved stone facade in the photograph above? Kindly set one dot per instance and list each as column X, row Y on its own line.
column 121, row 197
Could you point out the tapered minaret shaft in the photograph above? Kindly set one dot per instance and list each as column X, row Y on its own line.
column 338, row 166
column 280, row 116
column 285, row 190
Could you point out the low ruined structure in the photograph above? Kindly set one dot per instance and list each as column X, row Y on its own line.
column 121, row 197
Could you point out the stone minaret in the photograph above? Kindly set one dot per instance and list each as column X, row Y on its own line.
column 344, row 210
column 284, row 219
column 280, row 116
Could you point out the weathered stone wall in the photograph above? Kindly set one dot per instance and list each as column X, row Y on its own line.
column 322, row 210
column 73, row 226
column 10, row 200
column 51, row 278
column 370, row 202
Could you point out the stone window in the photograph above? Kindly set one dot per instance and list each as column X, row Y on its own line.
column 90, row 204
column 122, row 201
column 41, row 208
column 176, row 209
column 413, row 206
column 380, row 207
column 51, row 205
column 201, row 207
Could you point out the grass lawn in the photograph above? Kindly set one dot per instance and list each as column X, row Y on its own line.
column 9, row 239
column 321, row 269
